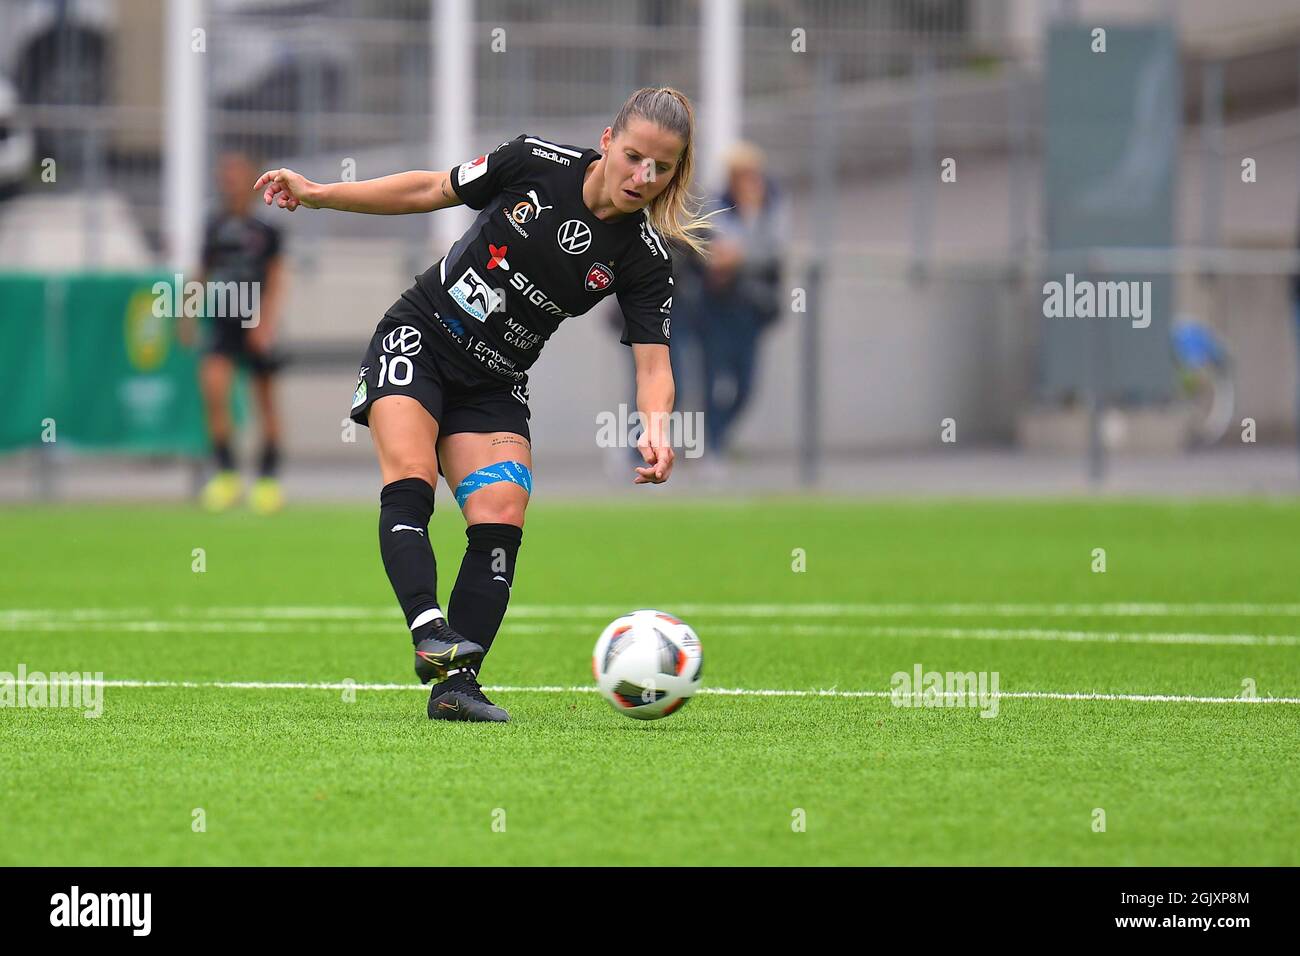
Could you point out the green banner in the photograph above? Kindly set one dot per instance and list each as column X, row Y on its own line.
column 23, row 360
column 88, row 364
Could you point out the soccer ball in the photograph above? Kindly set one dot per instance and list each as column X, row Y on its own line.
column 647, row 664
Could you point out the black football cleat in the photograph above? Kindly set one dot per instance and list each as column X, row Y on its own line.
column 461, row 698
column 444, row 650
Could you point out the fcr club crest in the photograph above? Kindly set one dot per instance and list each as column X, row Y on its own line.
column 599, row 277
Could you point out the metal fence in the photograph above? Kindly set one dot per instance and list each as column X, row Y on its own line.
column 321, row 81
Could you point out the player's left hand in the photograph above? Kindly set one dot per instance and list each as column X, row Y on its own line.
column 658, row 456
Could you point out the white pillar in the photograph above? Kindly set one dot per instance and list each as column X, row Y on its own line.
column 720, row 71
column 185, row 142
column 1026, row 29
column 452, row 97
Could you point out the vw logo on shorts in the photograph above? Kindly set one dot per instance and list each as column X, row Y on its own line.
column 403, row 341
column 574, row 237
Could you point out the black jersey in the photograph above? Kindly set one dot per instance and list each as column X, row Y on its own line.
column 536, row 255
column 238, row 248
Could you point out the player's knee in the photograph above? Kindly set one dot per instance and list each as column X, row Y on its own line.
column 425, row 471
column 497, row 512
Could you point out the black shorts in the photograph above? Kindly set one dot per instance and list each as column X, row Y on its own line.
column 229, row 337
column 408, row 356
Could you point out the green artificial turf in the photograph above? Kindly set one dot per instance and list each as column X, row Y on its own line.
column 339, row 775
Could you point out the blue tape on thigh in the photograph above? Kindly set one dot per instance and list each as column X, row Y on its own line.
column 511, row 471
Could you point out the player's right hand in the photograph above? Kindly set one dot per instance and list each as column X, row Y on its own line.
column 286, row 189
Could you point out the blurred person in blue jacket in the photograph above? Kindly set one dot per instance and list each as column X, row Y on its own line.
column 741, row 290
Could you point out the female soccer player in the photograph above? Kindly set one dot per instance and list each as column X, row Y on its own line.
column 240, row 248
column 444, row 384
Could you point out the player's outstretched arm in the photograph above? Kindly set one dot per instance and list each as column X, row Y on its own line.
column 415, row 191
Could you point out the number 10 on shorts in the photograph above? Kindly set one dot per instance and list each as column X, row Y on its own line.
column 396, row 369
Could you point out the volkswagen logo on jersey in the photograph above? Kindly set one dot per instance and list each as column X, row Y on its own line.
column 599, row 277
column 402, row 341
column 526, row 210
column 574, row 237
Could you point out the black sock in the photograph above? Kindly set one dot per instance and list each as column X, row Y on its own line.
column 224, row 456
column 404, row 510
column 270, row 462
column 487, row 572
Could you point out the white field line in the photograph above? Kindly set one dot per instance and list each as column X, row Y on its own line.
column 719, row 691
column 393, row 624
column 610, row 611
column 1038, row 634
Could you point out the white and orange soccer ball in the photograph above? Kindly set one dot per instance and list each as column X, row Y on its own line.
column 647, row 664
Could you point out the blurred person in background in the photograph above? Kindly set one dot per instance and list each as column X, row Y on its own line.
column 687, row 348
column 740, row 293
column 239, row 247
column 1295, row 306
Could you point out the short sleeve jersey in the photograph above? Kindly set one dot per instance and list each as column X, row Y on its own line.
column 536, row 255
column 238, row 248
